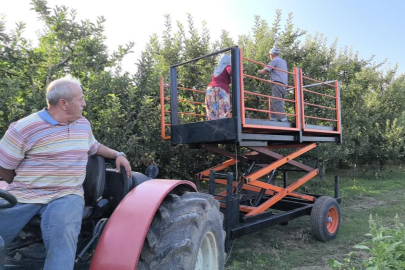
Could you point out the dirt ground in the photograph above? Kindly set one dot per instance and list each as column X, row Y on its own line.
column 366, row 203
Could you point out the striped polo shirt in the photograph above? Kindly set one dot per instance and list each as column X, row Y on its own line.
column 49, row 158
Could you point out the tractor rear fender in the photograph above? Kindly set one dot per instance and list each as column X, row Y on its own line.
column 121, row 242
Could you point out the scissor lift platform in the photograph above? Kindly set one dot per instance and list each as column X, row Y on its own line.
column 250, row 123
column 252, row 199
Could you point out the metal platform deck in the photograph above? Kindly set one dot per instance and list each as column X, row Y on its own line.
column 314, row 115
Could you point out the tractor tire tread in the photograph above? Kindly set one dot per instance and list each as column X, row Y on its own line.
column 174, row 236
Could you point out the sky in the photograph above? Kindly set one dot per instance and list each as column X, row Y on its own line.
column 369, row 27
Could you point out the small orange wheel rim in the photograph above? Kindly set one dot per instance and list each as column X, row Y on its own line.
column 332, row 220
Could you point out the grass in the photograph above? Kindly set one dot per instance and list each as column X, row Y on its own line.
column 293, row 246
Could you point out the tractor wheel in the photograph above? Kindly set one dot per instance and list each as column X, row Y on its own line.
column 325, row 218
column 186, row 233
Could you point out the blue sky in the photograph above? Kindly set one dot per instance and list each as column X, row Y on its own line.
column 370, row 27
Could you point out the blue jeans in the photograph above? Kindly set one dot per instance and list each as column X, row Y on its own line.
column 60, row 224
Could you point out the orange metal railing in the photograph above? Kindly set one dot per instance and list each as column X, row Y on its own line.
column 267, row 98
column 305, row 108
column 164, row 112
column 332, row 98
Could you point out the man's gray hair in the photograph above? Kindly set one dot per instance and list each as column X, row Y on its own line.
column 61, row 89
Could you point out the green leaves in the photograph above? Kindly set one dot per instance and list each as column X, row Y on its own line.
column 385, row 248
column 124, row 108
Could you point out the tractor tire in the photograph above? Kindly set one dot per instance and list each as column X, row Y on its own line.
column 325, row 218
column 186, row 233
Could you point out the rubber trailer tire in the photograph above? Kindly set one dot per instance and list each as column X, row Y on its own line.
column 325, row 218
column 186, row 233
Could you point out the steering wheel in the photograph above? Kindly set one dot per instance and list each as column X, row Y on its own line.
column 9, row 198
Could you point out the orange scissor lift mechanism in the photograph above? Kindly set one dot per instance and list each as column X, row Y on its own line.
column 257, row 148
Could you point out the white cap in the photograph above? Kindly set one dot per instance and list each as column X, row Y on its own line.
column 274, row 51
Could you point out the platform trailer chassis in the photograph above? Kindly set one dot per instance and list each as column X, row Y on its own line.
column 250, row 205
column 252, row 201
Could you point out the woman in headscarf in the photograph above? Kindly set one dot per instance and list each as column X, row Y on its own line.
column 217, row 100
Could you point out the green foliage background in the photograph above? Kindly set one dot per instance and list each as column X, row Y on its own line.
column 124, row 108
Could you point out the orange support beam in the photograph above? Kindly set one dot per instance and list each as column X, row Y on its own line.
column 296, row 86
column 266, row 170
column 242, row 90
column 245, row 187
column 242, row 208
column 302, row 100
column 278, row 156
column 337, row 93
column 279, row 189
column 270, row 189
column 217, row 168
column 162, row 111
column 284, row 192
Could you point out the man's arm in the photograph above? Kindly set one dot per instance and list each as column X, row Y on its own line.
column 11, row 153
column 7, row 175
column 106, row 152
column 268, row 68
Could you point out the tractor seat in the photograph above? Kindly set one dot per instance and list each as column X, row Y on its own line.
column 93, row 186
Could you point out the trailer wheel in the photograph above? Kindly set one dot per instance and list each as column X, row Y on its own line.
column 325, row 218
column 186, row 233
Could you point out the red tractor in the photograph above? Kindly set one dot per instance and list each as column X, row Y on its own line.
column 138, row 223
column 148, row 223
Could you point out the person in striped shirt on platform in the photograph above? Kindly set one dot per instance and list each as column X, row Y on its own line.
column 43, row 157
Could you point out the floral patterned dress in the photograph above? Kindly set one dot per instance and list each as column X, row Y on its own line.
column 217, row 99
column 217, row 103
